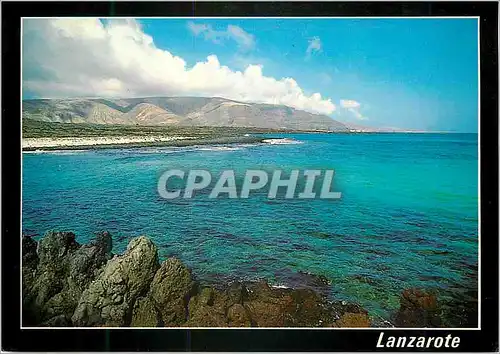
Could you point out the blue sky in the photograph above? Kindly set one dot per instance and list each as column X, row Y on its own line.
column 407, row 73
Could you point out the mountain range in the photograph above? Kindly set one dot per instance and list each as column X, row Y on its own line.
column 181, row 111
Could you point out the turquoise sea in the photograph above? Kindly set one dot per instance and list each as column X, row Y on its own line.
column 408, row 215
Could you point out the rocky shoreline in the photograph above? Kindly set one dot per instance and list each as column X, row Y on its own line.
column 75, row 143
column 68, row 284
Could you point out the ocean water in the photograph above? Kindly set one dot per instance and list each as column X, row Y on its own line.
column 408, row 215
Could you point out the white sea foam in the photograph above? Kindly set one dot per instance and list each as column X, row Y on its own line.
column 55, row 152
column 193, row 148
column 282, row 141
column 219, row 148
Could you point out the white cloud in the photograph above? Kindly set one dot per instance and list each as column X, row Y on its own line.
column 314, row 46
column 353, row 107
column 244, row 39
column 86, row 58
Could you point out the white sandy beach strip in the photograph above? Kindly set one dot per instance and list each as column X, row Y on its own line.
column 31, row 143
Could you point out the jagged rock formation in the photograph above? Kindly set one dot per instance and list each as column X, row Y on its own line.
column 68, row 284
column 170, row 290
column 184, row 111
column 109, row 299
column 56, row 272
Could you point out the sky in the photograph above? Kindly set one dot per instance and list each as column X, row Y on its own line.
column 407, row 73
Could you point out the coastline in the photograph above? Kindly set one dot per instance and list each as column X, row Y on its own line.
column 109, row 142
column 68, row 284
column 65, row 283
column 117, row 142
column 48, row 136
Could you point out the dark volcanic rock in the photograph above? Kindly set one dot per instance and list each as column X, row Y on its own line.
column 238, row 316
column 54, row 247
column 353, row 320
column 88, row 259
column 65, row 284
column 170, row 290
column 54, row 251
column 71, row 285
column 145, row 314
column 237, row 293
column 109, row 300
column 63, row 271
column 29, row 265
column 84, row 264
column 271, row 307
column 208, row 309
column 30, row 257
column 29, row 262
column 57, row 321
column 418, row 309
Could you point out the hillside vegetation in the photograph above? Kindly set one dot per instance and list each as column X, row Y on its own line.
column 40, row 129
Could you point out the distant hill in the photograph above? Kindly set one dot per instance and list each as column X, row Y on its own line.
column 181, row 111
